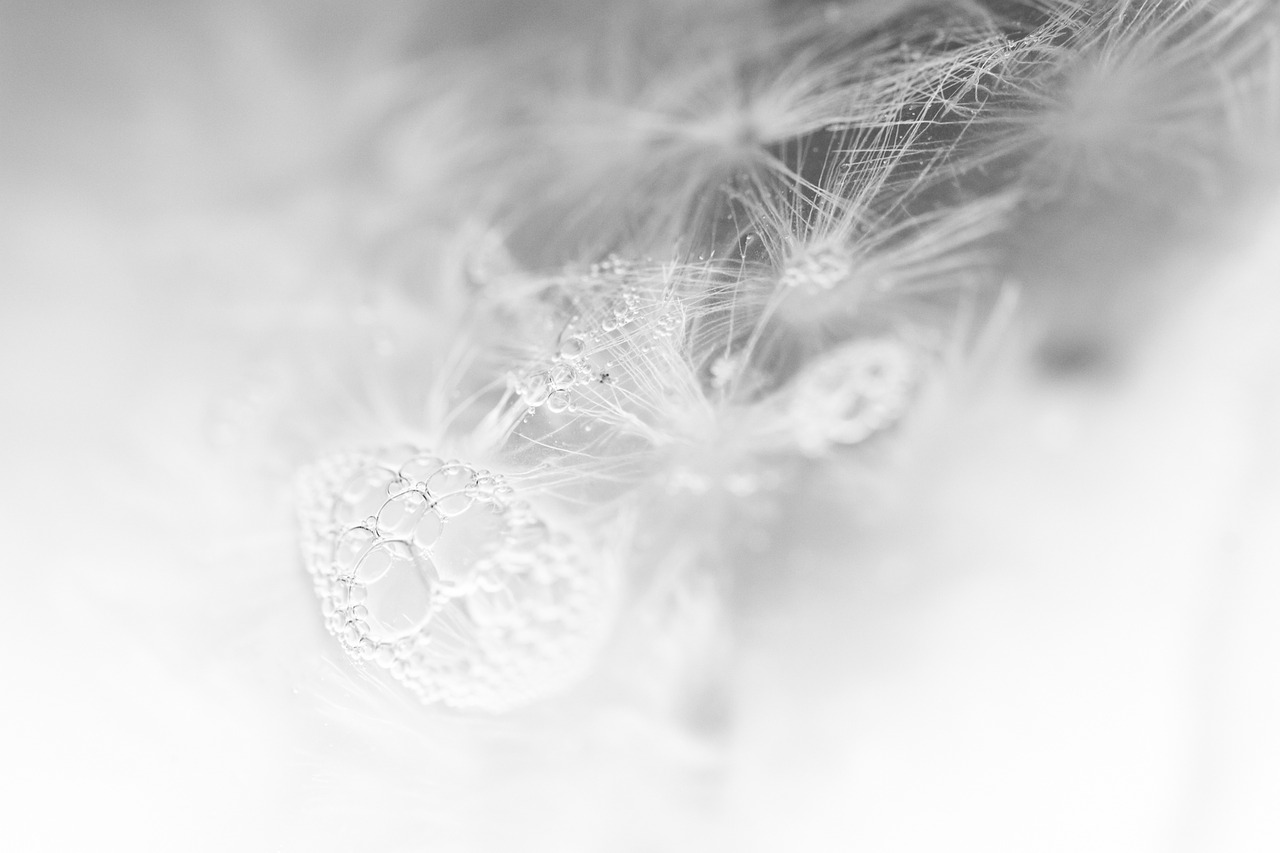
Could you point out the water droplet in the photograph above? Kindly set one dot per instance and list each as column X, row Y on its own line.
column 572, row 347
column 558, row 402
column 562, row 376
column 534, row 389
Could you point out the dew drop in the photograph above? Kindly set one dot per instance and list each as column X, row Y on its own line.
column 572, row 347
column 558, row 402
column 562, row 376
column 534, row 389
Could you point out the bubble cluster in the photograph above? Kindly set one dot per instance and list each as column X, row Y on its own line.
column 435, row 571
column 817, row 269
column 852, row 392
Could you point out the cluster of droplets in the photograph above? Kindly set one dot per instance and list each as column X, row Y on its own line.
column 435, row 571
column 852, row 392
column 817, row 269
column 617, row 318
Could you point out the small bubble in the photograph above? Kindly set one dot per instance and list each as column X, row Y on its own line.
column 492, row 608
column 484, row 487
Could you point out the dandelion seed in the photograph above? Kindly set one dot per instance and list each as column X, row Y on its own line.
column 1125, row 99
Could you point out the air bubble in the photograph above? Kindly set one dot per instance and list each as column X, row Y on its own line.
column 453, row 478
column 467, row 539
column 535, row 389
column 401, row 515
column 420, row 468
column 363, row 495
column 400, row 602
column 428, row 529
column 351, row 634
column 351, row 546
column 454, row 505
column 379, row 561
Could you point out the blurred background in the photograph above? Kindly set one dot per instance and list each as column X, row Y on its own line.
column 1055, row 630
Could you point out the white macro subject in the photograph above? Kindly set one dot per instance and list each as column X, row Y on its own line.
column 629, row 425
